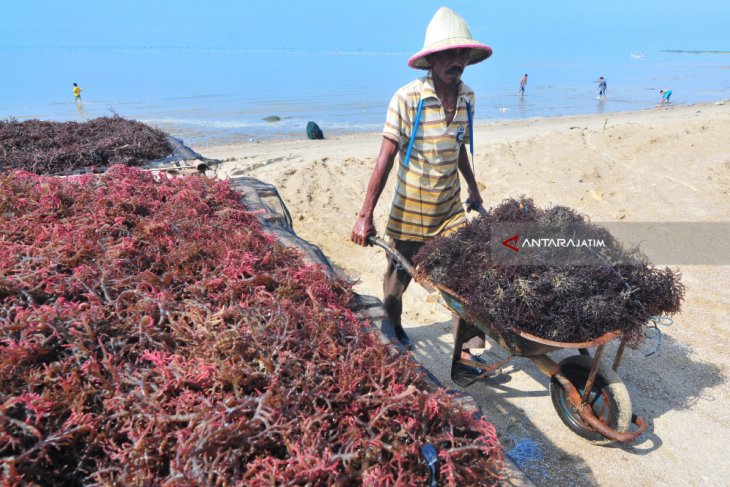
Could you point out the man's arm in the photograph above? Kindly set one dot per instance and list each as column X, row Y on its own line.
column 364, row 226
column 475, row 199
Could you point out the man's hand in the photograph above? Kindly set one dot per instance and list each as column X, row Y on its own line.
column 363, row 228
column 474, row 201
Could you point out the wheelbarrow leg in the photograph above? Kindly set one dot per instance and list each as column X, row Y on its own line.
column 619, row 354
column 592, row 373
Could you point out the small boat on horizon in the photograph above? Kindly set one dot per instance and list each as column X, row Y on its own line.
column 636, row 55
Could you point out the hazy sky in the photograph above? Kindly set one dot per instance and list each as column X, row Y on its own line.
column 369, row 25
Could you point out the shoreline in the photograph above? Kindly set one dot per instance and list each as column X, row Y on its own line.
column 292, row 136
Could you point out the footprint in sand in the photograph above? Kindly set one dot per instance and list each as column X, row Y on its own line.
column 592, row 176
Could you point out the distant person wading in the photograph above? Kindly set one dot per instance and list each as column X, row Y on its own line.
column 665, row 96
column 77, row 92
column 523, row 85
column 602, row 88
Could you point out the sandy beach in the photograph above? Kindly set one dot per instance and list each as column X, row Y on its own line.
column 663, row 165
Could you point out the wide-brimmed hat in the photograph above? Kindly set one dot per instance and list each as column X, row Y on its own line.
column 447, row 30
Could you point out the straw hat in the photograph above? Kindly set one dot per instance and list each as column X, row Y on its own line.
column 447, row 30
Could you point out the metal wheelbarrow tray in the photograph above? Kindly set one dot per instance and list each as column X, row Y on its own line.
column 589, row 397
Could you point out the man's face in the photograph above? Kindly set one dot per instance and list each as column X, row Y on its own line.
column 449, row 65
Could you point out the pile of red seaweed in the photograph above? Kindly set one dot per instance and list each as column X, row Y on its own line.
column 45, row 147
column 566, row 303
column 152, row 334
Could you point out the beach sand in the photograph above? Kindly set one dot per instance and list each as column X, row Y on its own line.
column 664, row 165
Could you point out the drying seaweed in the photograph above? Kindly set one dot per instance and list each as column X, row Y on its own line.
column 45, row 147
column 152, row 334
column 617, row 289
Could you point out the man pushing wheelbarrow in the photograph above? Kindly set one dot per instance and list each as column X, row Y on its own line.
column 428, row 123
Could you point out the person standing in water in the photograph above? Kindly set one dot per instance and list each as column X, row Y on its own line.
column 523, row 85
column 77, row 92
column 665, row 96
column 601, row 88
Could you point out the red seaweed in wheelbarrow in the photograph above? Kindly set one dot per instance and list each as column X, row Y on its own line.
column 572, row 293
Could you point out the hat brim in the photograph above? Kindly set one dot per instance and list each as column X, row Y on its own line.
column 479, row 52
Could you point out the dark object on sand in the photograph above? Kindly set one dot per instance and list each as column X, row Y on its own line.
column 272, row 118
column 565, row 303
column 45, row 147
column 314, row 132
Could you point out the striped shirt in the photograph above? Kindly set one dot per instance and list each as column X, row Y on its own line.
column 427, row 200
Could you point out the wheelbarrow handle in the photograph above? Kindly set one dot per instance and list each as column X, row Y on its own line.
column 478, row 207
column 393, row 254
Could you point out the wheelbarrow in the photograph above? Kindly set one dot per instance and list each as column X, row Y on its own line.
column 589, row 397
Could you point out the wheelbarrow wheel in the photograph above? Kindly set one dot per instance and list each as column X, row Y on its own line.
column 609, row 398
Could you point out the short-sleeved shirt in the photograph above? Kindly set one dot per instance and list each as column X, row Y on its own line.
column 427, row 199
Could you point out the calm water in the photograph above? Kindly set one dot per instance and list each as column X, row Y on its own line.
column 209, row 96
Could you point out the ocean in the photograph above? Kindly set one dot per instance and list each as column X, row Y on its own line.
column 209, row 96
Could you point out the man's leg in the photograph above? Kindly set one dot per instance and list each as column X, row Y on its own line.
column 472, row 336
column 395, row 283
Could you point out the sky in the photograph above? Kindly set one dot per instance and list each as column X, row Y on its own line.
column 373, row 25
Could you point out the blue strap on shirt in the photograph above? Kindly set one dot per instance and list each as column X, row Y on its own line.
column 471, row 132
column 413, row 134
column 415, row 129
